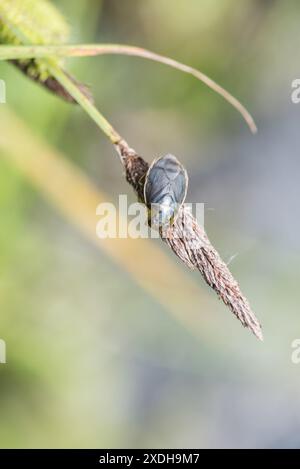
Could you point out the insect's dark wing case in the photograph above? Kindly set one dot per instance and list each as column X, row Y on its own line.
column 166, row 176
column 157, row 184
column 179, row 186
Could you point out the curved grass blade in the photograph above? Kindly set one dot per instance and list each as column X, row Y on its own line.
column 22, row 52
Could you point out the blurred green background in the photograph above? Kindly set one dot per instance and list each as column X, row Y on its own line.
column 92, row 359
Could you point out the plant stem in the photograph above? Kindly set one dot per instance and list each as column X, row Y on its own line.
column 85, row 103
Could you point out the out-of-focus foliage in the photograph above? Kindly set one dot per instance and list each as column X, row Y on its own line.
column 92, row 359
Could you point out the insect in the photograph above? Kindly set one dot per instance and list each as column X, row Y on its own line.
column 165, row 190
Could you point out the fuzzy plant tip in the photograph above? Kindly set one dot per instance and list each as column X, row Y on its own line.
column 36, row 22
column 189, row 242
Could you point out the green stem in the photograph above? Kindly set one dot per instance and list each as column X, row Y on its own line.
column 25, row 52
column 85, row 103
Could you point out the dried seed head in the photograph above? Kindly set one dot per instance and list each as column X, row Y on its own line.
column 188, row 240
